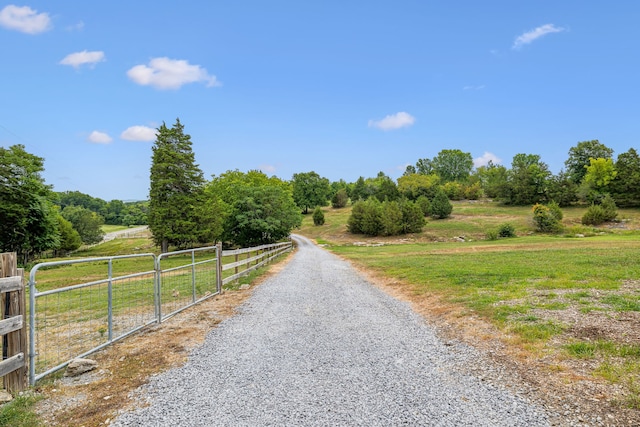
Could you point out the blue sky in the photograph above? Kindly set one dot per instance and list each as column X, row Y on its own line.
column 343, row 88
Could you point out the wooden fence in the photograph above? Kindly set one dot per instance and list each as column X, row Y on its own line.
column 13, row 325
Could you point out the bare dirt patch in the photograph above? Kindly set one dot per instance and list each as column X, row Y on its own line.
column 94, row 399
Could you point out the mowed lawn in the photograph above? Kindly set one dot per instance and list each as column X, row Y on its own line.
column 575, row 295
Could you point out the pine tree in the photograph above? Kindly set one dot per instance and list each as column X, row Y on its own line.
column 176, row 193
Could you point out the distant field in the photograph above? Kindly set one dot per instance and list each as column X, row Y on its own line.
column 560, row 294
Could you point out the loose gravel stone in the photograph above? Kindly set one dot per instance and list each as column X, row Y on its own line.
column 317, row 345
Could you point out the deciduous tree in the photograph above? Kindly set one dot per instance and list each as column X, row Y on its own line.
column 579, row 158
column 310, row 190
column 28, row 221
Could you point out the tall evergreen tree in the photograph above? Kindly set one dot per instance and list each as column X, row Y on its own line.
column 176, row 193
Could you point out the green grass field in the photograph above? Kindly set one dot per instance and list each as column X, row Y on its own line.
column 528, row 286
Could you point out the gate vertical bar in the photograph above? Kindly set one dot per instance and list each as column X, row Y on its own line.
column 110, row 300
column 193, row 276
column 219, row 267
column 156, row 293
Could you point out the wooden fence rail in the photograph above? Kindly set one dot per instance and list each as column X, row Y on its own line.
column 13, row 325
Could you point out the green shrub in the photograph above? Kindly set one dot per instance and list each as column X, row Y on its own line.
column 609, row 207
column 391, row 219
column 318, row 216
column 492, row 235
column 441, row 207
column 547, row 219
column 339, row 200
column 454, row 190
column 594, row 215
column 473, row 191
column 373, row 218
column 506, row 230
column 412, row 217
column 425, row 205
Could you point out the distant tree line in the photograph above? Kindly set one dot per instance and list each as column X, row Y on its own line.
column 250, row 208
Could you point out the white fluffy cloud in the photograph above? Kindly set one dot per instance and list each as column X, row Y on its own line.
column 24, row 19
column 393, row 121
column 78, row 59
column 165, row 73
column 99, row 137
column 535, row 34
column 485, row 159
column 139, row 133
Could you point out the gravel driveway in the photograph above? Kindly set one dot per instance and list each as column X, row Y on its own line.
column 317, row 345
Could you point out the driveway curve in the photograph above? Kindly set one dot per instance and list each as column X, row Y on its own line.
column 317, row 345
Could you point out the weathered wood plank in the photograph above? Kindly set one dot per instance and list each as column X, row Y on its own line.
column 10, row 284
column 11, row 324
column 11, row 364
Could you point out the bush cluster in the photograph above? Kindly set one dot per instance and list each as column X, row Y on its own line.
column 318, row 216
column 388, row 218
column 597, row 214
column 547, row 218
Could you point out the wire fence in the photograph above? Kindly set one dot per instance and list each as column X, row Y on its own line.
column 83, row 305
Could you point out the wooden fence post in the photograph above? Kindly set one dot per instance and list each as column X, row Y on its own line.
column 14, row 344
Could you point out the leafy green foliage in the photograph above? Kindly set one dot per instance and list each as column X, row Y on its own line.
column 413, row 220
column 625, row 187
column 388, row 218
column 28, row 221
column 70, row 239
column 562, row 190
column 506, row 230
column 580, row 155
column 526, row 181
column 425, row 205
column 310, row 190
column 454, row 190
column 594, row 215
column 87, row 223
column 453, row 165
column 441, row 207
column 176, row 195
column 598, row 213
column 391, row 219
column 252, row 207
column 547, row 219
column 473, row 191
column 493, row 179
column 260, row 215
column 414, row 186
column 340, row 199
column 318, row 216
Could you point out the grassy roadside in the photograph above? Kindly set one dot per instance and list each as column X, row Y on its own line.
column 571, row 299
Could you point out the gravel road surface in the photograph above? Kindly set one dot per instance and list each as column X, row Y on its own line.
column 317, row 345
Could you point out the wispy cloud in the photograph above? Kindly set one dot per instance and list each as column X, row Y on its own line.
column 99, row 137
column 535, row 34
column 24, row 19
column 393, row 121
column 165, row 73
column 77, row 59
column 76, row 27
column 267, row 168
column 139, row 133
column 485, row 159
